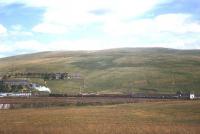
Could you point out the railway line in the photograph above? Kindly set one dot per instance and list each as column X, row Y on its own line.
column 80, row 100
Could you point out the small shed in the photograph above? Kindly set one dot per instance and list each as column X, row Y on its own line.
column 192, row 96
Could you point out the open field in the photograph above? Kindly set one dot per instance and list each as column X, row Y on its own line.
column 161, row 117
column 117, row 70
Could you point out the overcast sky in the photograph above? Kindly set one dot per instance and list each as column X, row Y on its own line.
column 28, row 26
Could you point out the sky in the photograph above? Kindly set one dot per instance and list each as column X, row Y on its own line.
column 28, row 26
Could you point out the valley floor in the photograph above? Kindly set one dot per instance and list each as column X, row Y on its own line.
column 160, row 117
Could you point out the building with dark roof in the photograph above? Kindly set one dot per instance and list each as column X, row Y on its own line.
column 14, row 82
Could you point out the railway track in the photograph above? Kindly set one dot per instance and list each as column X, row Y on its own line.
column 37, row 102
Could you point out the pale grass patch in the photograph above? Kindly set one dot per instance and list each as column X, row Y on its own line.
column 174, row 117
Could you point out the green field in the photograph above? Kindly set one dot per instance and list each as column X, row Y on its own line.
column 117, row 70
column 164, row 117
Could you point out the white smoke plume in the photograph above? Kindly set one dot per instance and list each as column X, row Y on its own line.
column 41, row 88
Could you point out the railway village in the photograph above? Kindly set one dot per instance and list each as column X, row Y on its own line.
column 19, row 85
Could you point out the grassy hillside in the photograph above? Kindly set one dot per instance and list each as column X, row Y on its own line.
column 115, row 70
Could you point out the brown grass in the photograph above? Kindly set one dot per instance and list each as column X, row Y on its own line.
column 172, row 117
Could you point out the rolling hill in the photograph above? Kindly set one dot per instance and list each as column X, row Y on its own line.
column 123, row 70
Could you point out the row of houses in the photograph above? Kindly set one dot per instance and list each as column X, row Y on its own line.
column 14, row 82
